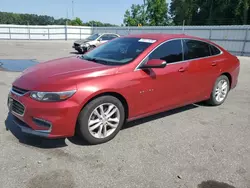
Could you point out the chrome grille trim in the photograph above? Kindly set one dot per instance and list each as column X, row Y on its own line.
column 19, row 91
column 17, row 108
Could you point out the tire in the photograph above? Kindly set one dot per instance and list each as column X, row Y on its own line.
column 87, row 115
column 215, row 100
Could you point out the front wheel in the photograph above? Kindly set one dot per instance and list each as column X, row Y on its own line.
column 101, row 119
column 220, row 91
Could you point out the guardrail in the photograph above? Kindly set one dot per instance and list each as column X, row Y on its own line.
column 235, row 39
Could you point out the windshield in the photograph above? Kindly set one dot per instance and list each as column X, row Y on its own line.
column 118, row 51
column 93, row 37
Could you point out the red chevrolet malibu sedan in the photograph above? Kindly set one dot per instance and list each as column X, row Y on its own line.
column 127, row 78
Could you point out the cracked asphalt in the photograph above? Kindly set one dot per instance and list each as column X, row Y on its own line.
column 195, row 146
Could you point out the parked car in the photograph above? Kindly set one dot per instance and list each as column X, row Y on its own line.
column 125, row 79
column 93, row 41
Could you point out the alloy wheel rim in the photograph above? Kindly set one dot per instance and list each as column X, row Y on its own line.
column 104, row 120
column 221, row 90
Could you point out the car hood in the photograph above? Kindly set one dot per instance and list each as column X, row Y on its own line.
column 82, row 41
column 61, row 74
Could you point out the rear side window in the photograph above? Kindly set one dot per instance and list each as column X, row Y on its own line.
column 214, row 50
column 105, row 37
column 195, row 49
column 112, row 36
column 170, row 52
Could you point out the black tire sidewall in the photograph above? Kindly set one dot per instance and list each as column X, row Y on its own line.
column 213, row 101
column 86, row 112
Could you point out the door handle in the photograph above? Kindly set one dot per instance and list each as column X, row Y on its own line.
column 182, row 69
column 214, row 64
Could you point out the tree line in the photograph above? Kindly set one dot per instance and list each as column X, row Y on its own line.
column 33, row 19
column 190, row 12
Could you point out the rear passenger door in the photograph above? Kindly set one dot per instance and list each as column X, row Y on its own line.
column 203, row 69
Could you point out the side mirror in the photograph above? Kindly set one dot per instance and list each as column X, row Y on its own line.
column 154, row 63
column 100, row 39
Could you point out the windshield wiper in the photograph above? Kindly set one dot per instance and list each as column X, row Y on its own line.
column 95, row 60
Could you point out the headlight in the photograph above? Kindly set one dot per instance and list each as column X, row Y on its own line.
column 51, row 96
column 85, row 45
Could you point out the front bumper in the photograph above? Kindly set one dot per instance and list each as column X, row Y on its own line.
column 45, row 119
column 80, row 48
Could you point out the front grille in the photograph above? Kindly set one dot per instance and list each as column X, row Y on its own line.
column 19, row 90
column 17, row 107
column 76, row 45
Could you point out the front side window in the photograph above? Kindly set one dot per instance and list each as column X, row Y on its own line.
column 118, row 51
column 195, row 49
column 170, row 52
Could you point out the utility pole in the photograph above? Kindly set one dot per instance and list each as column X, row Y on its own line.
column 183, row 25
column 67, row 17
column 73, row 9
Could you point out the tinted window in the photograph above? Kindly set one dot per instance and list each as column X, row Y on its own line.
column 170, row 52
column 118, row 51
column 107, row 37
column 112, row 36
column 214, row 50
column 104, row 37
column 195, row 49
column 93, row 37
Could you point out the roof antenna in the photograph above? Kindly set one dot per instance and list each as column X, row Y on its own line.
column 183, row 25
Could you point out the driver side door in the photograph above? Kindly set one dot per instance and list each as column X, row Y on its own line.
column 163, row 88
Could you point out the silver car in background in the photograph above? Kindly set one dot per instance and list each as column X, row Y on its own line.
column 93, row 41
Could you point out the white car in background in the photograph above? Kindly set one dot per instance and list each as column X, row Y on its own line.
column 93, row 41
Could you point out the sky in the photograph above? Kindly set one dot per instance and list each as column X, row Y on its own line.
column 108, row 11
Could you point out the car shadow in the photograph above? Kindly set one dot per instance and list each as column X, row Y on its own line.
column 159, row 116
column 76, row 53
column 214, row 184
column 56, row 143
column 32, row 140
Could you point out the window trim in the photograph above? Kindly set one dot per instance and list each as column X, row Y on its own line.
column 209, row 48
column 211, row 45
column 182, row 50
column 183, row 61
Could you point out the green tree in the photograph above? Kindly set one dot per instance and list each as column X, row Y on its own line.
column 77, row 21
column 181, row 10
column 33, row 19
column 157, row 12
column 242, row 11
column 135, row 16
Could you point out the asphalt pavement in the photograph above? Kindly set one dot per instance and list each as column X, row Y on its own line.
column 195, row 146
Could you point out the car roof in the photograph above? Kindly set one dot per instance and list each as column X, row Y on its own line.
column 107, row 33
column 161, row 36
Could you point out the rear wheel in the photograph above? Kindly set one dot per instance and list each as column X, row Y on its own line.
column 101, row 119
column 220, row 91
